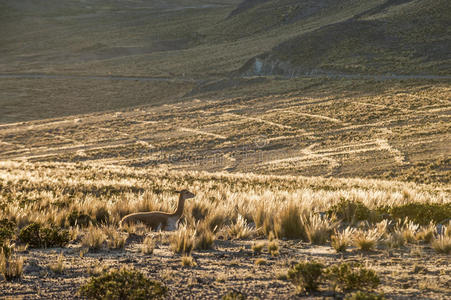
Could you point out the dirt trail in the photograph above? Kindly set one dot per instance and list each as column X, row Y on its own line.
column 200, row 80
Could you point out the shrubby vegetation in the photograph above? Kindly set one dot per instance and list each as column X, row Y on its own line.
column 123, row 284
column 38, row 236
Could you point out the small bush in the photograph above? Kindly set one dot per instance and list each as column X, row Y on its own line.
column 364, row 296
column 234, row 295
column 6, row 230
column 37, row 236
column 306, row 275
column 351, row 212
column 352, row 277
column 123, row 284
column 11, row 267
column 421, row 213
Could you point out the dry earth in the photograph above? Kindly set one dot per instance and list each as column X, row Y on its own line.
column 405, row 274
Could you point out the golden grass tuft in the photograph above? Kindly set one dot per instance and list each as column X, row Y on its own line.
column 366, row 240
column 148, row 245
column 240, row 229
column 341, row 240
column 11, row 267
column 442, row 244
column 188, row 261
column 58, row 266
column 183, row 240
column 94, row 238
column 317, row 229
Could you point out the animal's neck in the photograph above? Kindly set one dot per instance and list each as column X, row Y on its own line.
column 180, row 206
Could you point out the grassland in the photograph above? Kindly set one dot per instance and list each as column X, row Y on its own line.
column 49, row 193
column 135, row 99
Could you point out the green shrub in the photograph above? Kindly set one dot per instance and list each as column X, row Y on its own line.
column 123, row 284
column 306, row 275
column 420, row 213
column 352, row 211
column 37, row 236
column 364, row 296
column 352, row 277
column 233, row 295
column 6, row 230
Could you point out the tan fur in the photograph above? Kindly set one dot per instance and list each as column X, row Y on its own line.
column 157, row 219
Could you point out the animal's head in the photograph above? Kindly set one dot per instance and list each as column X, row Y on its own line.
column 185, row 194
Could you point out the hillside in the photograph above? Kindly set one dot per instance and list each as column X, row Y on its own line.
column 397, row 37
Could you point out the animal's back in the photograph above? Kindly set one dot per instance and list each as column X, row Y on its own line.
column 153, row 219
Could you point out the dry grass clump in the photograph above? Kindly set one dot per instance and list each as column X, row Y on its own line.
column 425, row 233
column 148, row 245
column 240, row 229
column 288, row 222
column 341, row 240
column 258, row 247
column 183, row 240
column 188, row 261
column 11, row 267
column 366, row 240
column 273, row 247
column 442, row 243
column 395, row 239
column 204, row 237
column 58, row 266
column 318, row 229
column 260, row 261
column 115, row 240
column 94, row 238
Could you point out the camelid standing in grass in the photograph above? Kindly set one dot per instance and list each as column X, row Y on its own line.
column 158, row 219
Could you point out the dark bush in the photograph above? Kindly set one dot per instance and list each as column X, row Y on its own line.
column 123, row 284
column 234, row 295
column 6, row 230
column 37, row 236
column 306, row 275
column 421, row 213
column 352, row 212
column 352, row 277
